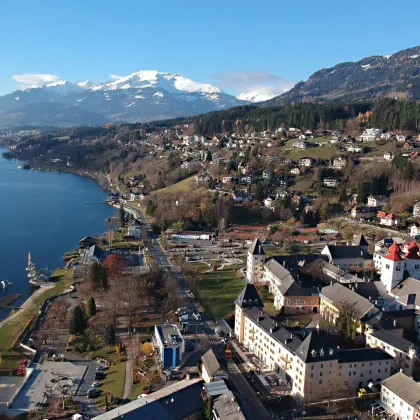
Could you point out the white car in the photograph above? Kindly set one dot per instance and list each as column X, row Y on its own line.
column 96, row 384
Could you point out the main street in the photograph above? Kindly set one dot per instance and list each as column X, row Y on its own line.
column 249, row 401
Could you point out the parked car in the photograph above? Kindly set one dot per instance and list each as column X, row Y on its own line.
column 102, row 367
column 99, row 376
column 96, row 384
column 93, row 393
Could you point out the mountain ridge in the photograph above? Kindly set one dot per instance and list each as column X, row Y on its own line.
column 393, row 75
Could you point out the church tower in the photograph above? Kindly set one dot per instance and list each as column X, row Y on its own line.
column 392, row 268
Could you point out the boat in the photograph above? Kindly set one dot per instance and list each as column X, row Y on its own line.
column 5, row 284
column 24, row 166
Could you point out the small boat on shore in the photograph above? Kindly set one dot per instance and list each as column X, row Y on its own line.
column 24, row 166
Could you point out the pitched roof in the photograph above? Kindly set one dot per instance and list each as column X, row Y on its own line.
column 337, row 294
column 393, row 340
column 256, row 248
column 249, row 297
column 393, row 253
column 348, row 251
column 360, row 355
column 405, row 387
column 360, row 240
column 210, row 362
column 282, row 273
column 228, row 408
column 408, row 291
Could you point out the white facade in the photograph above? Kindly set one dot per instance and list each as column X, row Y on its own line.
column 414, row 230
column 416, row 209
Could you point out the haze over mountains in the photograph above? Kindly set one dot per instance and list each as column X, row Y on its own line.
column 152, row 95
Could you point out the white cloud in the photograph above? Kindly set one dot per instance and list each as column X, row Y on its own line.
column 254, row 85
column 27, row 80
column 115, row 76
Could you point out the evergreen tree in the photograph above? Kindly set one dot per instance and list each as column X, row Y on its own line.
column 209, row 156
column 208, row 410
column 90, row 307
column 77, row 322
column 109, row 336
column 97, row 276
column 121, row 216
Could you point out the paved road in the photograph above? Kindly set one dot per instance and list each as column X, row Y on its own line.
column 249, row 401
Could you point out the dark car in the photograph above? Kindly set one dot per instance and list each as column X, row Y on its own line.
column 99, row 376
column 93, row 393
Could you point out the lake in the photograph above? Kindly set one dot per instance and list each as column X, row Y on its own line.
column 44, row 213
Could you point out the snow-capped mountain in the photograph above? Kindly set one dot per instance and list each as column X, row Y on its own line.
column 146, row 95
column 255, row 96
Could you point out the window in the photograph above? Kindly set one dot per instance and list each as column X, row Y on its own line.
column 322, row 365
column 288, row 301
column 302, row 302
column 320, row 382
column 349, row 373
column 312, row 375
column 416, row 267
column 387, row 266
column 398, row 268
column 320, row 374
column 370, row 371
column 370, row 364
column 379, row 370
column 297, row 301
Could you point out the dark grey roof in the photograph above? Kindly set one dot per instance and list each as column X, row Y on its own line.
column 297, row 262
column 228, row 408
column 249, row 297
column 362, row 355
column 94, row 251
column 271, row 327
column 360, row 240
column 216, row 388
column 174, row 402
column 393, row 340
column 256, row 248
column 319, row 346
column 348, row 251
column 408, row 291
column 338, row 294
column 405, row 387
column 210, row 362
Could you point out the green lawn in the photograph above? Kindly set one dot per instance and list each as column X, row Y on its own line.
column 219, row 289
column 113, row 384
column 323, row 152
column 198, row 266
column 181, row 186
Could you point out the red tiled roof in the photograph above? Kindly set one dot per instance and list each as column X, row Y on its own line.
column 393, row 253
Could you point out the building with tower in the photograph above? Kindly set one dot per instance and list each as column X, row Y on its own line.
column 255, row 262
column 394, row 265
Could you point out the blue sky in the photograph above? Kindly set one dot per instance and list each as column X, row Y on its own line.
column 236, row 45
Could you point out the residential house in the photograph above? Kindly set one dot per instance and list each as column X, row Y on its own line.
column 376, row 200
column 241, row 195
column 211, row 370
column 334, row 296
column 363, row 212
column 134, row 231
column 415, row 229
column 403, row 351
column 386, row 136
column 388, row 156
column 400, row 396
column 354, row 149
column 347, row 256
column 331, row 182
column 416, row 209
column 306, row 161
column 226, row 407
column 388, row 219
column 370, row 134
column 401, row 138
column 266, row 173
column 300, row 144
column 339, row 162
column 295, row 171
column 269, row 202
column 93, row 254
column 309, row 362
column 407, row 294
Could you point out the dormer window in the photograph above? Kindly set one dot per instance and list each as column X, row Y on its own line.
column 313, row 352
column 321, row 352
column 331, row 352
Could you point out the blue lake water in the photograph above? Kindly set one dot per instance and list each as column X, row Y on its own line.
column 44, row 213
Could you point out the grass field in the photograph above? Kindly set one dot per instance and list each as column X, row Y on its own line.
column 219, row 289
column 113, row 384
column 302, row 184
column 323, row 152
column 181, row 186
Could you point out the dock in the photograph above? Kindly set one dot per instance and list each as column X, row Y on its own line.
column 8, row 300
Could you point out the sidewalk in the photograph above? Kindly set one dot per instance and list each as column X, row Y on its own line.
column 128, row 370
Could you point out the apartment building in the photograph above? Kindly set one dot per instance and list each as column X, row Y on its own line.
column 400, row 396
column 312, row 363
column 402, row 351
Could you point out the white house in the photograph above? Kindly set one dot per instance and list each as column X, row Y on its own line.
column 354, row 149
column 400, row 396
column 416, row 209
column 210, row 368
column 300, row 144
column 376, row 200
column 388, row 156
column 331, row 182
column 415, row 229
column 295, row 171
column 305, row 161
column 339, row 163
column 269, row 203
column 134, row 231
column 370, row 134
column 388, row 219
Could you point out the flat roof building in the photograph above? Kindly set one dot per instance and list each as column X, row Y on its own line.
column 170, row 343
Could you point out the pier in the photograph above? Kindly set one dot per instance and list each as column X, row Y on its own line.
column 8, row 300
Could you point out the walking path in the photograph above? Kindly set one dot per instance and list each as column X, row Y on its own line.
column 28, row 303
column 128, row 369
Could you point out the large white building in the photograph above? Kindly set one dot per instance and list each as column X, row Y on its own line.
column 314, row 363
